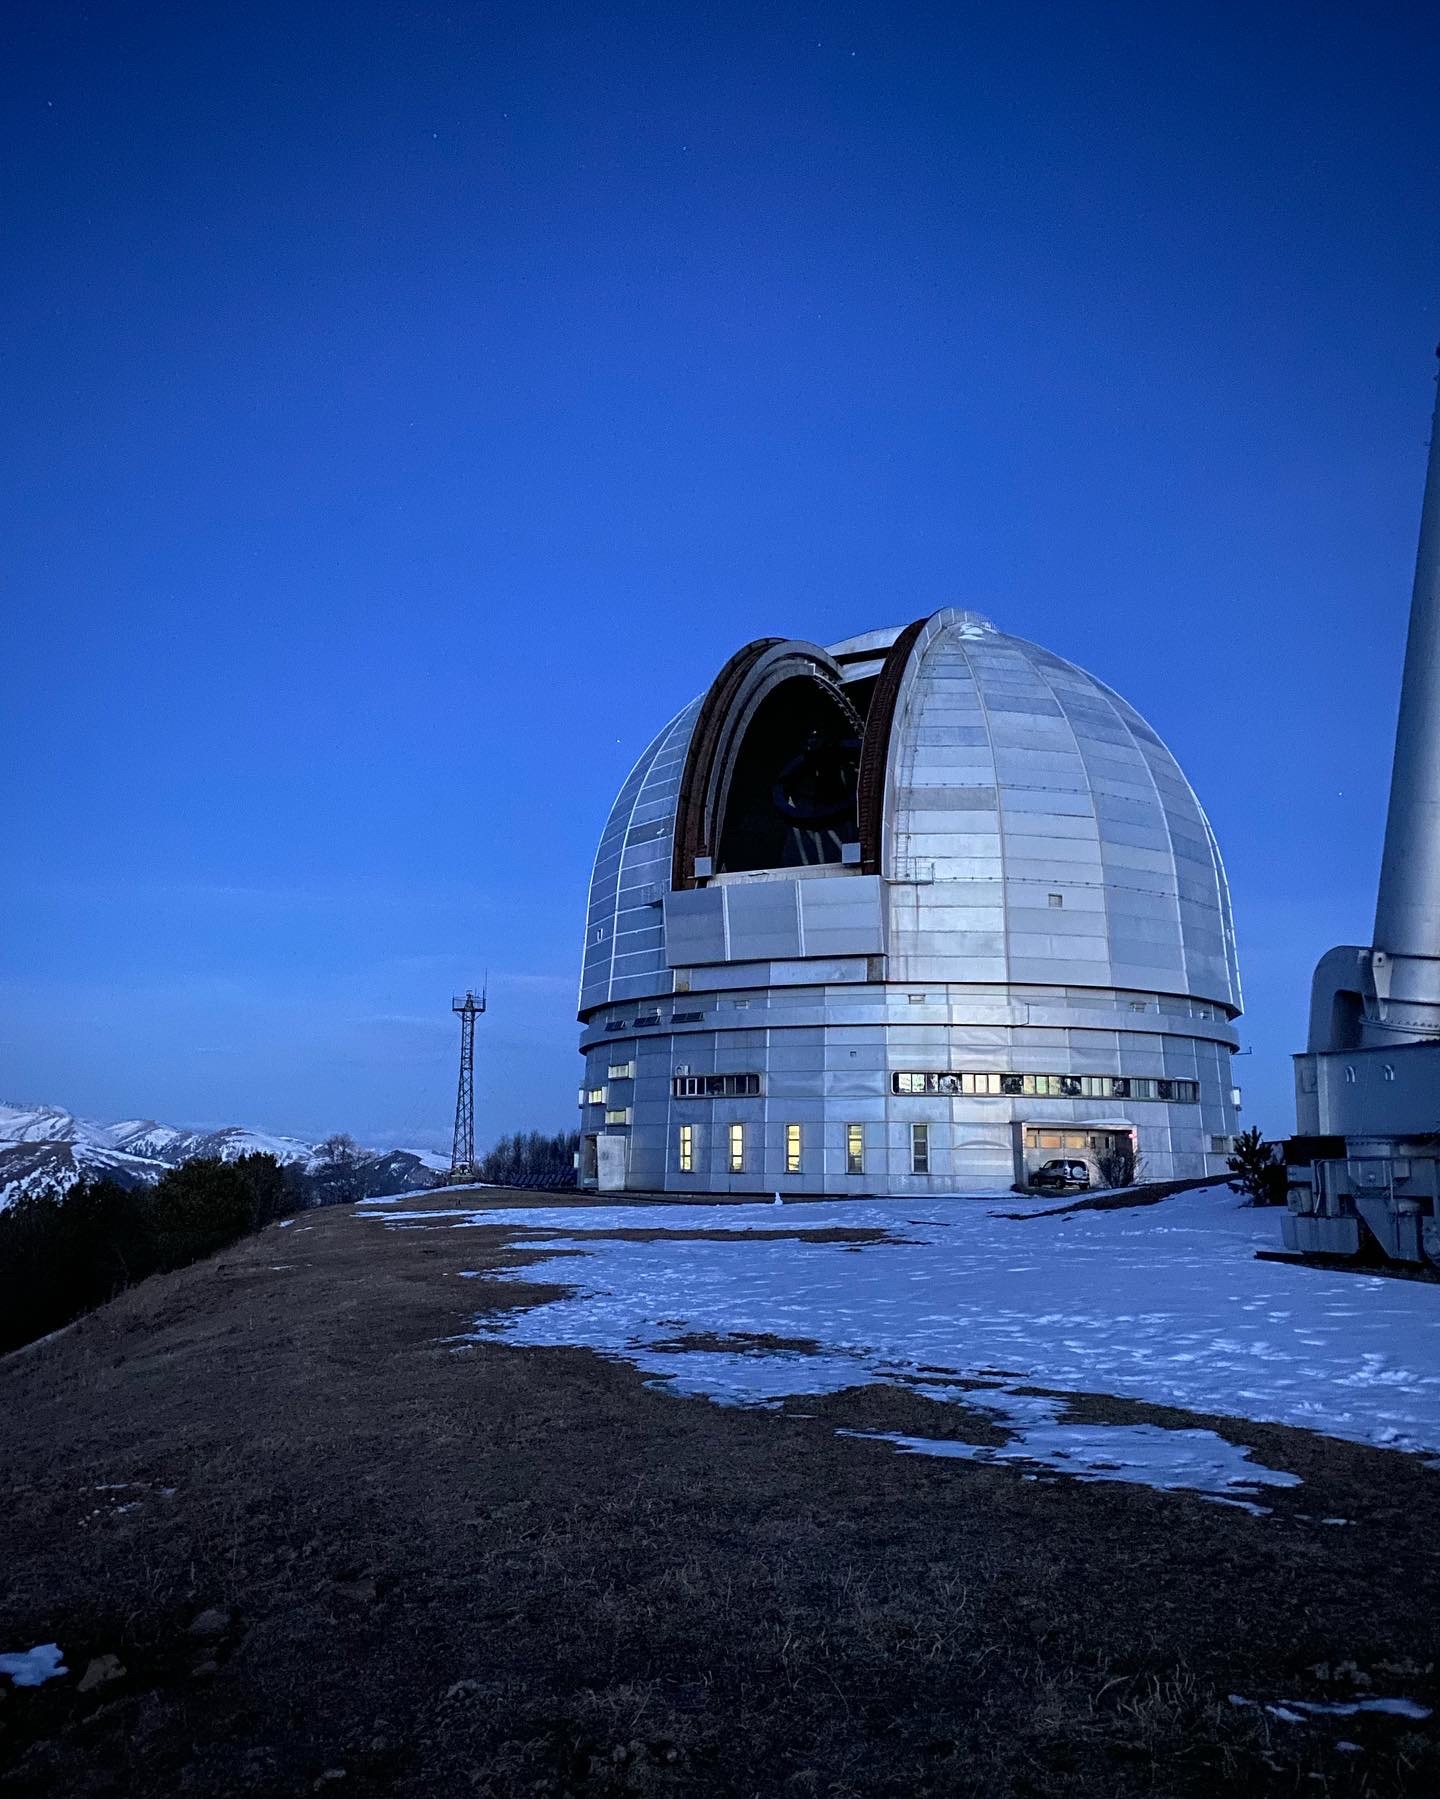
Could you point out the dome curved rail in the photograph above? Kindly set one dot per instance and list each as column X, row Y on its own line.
column 875, row 751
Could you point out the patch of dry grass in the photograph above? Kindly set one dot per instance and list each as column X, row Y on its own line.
column 482, row 1570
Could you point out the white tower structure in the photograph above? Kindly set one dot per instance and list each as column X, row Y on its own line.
column 1365, row 1172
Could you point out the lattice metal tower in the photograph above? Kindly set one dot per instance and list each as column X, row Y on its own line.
column 462, row 1150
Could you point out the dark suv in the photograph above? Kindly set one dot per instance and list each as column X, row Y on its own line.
column 1060, row 1176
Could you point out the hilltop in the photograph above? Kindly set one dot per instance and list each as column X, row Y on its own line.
column 301, row 1529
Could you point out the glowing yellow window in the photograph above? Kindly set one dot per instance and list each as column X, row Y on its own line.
column 737, row 1149
column 792, row 1149
column 687, row 1149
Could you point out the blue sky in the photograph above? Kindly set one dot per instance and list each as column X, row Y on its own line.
column 409, row 407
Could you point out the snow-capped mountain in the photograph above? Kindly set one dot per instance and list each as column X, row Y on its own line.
column 168, row 1143
column 46, row 1147
column 48, row 1124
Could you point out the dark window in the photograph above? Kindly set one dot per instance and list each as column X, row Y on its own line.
column 854, row 1149
column 919, row 1149
column 1012, row 1083
column 646, row 1018
column 686, row 1017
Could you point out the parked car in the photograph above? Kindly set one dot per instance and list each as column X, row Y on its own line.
column 1060, row 1176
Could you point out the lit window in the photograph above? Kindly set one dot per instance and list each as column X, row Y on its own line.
column 687, row 1149
column 854, row 1149
column 737, row 1149
column 621, row 1071
column 596, row 1097
column 919, row 1149
column 618, row 1115
column 792, row 1149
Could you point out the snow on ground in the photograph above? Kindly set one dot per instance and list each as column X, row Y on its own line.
column 1142, row 1454
column 33, row 1667
column 1164, row 1303
column 1296, row 1711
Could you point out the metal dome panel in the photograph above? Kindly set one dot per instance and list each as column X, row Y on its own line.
column 1053, row 832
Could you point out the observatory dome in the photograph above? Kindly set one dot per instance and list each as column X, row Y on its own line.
column 931, row 877
column 1016, row 773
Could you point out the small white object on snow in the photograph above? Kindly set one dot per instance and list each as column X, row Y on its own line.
column 33, row 1667
column 778, row 1201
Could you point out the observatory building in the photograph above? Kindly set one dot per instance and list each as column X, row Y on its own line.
column 913, row 914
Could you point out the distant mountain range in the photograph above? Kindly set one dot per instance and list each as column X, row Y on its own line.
column 48, row 1147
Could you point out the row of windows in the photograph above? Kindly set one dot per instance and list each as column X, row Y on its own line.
column 984, row 1085
column 794, row 1148
column 855, row 1147
column 1047, row 1086
column 714, row 1086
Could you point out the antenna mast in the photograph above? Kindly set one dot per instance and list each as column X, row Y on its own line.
column 467, row 1008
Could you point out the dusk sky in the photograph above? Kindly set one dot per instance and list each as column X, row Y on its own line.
column 408, row 408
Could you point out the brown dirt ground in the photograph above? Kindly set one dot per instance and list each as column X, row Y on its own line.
column 472, row 1570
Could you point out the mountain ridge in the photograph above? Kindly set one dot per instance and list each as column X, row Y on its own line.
column 47, row 1147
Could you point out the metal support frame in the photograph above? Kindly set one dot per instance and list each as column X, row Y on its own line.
column 467, row 1008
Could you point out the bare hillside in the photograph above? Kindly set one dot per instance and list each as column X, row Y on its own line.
column 290, row 1536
